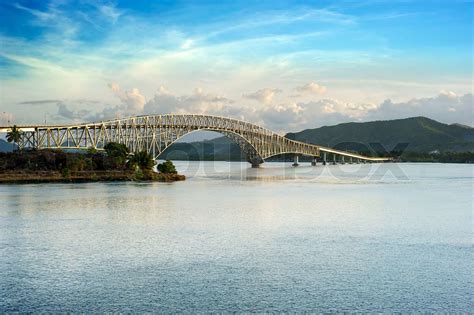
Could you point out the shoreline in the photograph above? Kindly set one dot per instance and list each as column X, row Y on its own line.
column 32, row 177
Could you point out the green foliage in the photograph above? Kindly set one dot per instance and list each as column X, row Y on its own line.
column 139, row 174
column 65, row 172
column 92, row 151
column 117, row 154
column 167, row 167
column 141, row 160
column 57, row 160
column 14, row 135
column 114, row 149
column 443, row 157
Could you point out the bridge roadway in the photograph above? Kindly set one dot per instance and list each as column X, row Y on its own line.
column 155, row 133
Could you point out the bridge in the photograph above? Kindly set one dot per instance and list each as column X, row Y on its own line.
column 155, row 133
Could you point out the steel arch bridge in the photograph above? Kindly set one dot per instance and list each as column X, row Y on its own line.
column 155, row 133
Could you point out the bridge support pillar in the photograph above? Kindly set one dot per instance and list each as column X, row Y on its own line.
column 342, row 161
column 295, row 160
column 324, row 158
column 313, row 162
column 350, row 161
column 333, row 159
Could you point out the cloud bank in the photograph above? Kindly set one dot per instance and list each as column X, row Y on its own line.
column 283, row 116
column 264, row 96
column 311, row 88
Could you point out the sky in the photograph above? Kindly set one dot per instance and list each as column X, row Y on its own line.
column 287, row 65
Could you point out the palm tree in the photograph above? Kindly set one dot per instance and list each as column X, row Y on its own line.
column 14, row 135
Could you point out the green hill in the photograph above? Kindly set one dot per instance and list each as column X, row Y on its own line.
column 218, row 149
column 5, row 146
column 420, row 134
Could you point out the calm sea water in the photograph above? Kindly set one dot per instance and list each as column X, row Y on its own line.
column 367, row 238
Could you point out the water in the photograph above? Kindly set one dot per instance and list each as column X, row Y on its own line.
column 367, row 238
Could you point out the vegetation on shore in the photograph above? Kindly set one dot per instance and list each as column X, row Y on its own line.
column 438, row 157
column 114, row 163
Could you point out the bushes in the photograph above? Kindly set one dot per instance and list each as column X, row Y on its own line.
column 141, row 160
column 49, row 160
column 41, row 160
column 116, row 158
column 167, row 167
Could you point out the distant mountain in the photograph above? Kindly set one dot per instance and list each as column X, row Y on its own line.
column 6, row 146
column 420, row 134
column 218, row 149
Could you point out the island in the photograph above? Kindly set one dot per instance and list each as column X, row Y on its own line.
column 113, row 163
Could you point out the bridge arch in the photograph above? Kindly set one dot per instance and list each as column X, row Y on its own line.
column 251, row 153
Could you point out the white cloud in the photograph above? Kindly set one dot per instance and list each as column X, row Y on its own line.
column 264, row 96
column 187, row 44
column 281, row 117
column 446, row 107
column 41, row 15
column 110, row 12
column 198, row 102
column 134, row 102
column 293, row 116
column 311, row 88
column 53, row 17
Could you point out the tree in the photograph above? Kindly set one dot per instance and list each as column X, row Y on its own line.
column 91, row 151
column 167, row 167
column 14, row 135
column 116, row 155
column 141, row 159
column 114, row 149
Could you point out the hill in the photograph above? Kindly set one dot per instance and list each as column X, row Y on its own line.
column 420, row 134
column 6, row 146
column 218, row 149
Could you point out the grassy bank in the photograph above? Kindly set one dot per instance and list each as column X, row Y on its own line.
column 84, row 176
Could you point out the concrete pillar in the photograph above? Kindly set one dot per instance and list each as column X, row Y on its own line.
column 295, row 160
column 313, row 162
column 255, row 162
column 343, row 160
column 324, row 158
column 333, row 159
column 350, row 162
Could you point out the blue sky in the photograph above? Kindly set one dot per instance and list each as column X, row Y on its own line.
column 286, row 64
